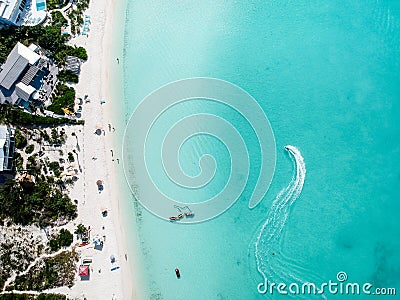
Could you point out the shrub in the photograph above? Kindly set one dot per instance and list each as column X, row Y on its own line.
column 18, row 161
column 67, row 76
column 20, row 140
column 80, row 229
column 55, row 167
column 54, row 245
column 18, row 117
column 64, row 239
column 53, row 4
column 58, row 18
column 78, row 52
column 71, row 157
column 44, row 205
column 65, row 98
column 51, row 272
column 29, row 149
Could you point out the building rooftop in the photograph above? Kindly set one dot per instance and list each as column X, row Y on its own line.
column 24, row 91
column 18, row 59
column 6, row 8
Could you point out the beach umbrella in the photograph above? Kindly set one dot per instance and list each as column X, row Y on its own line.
column 98, row 131
column 83, row 271
column 96, row 240
column 99, row 182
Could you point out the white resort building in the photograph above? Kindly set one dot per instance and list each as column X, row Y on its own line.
column 12, row 11
column 7, row 146
column 22, row 12
column 21, row 75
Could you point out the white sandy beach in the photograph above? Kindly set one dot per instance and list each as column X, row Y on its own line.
column 100, row 161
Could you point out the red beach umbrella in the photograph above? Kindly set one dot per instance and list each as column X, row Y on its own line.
column 83, row 271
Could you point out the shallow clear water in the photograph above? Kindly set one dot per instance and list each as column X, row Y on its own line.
column 326, row 75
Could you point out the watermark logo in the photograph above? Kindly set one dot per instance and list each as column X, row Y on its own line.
column 147, row 113
column 340, row 286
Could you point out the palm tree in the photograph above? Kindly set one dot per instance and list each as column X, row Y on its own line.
column 80, row 229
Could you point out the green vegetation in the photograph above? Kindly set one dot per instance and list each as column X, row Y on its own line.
column 64, row 239
column 67, row 76
column 53, row 4
column 43, row 205
column 50, row 273
column 51, row 297
column 71, row 157
column 76, row 15
column 13, row 296
column 56, row 138
column 55, row 167
column 48, row 37
column 10, row 115
column 58, row 19
column 18, row 162
column 20, row 140
column 78, row 52
column 17, row 251
column 64, row 98
column 29, row 149
column 80, row 229
column 33, row 165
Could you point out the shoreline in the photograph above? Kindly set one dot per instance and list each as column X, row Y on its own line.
column 98, row 82
column 126, row 213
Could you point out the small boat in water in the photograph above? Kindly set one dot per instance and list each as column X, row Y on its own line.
column 177, row 273
column 183, row 212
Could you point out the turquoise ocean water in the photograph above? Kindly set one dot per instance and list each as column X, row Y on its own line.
column 326, row 73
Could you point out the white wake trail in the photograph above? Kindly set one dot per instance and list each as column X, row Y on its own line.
column 267, row 243
column 278, row 214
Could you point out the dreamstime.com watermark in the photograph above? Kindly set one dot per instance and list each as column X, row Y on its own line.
column 339, row 287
